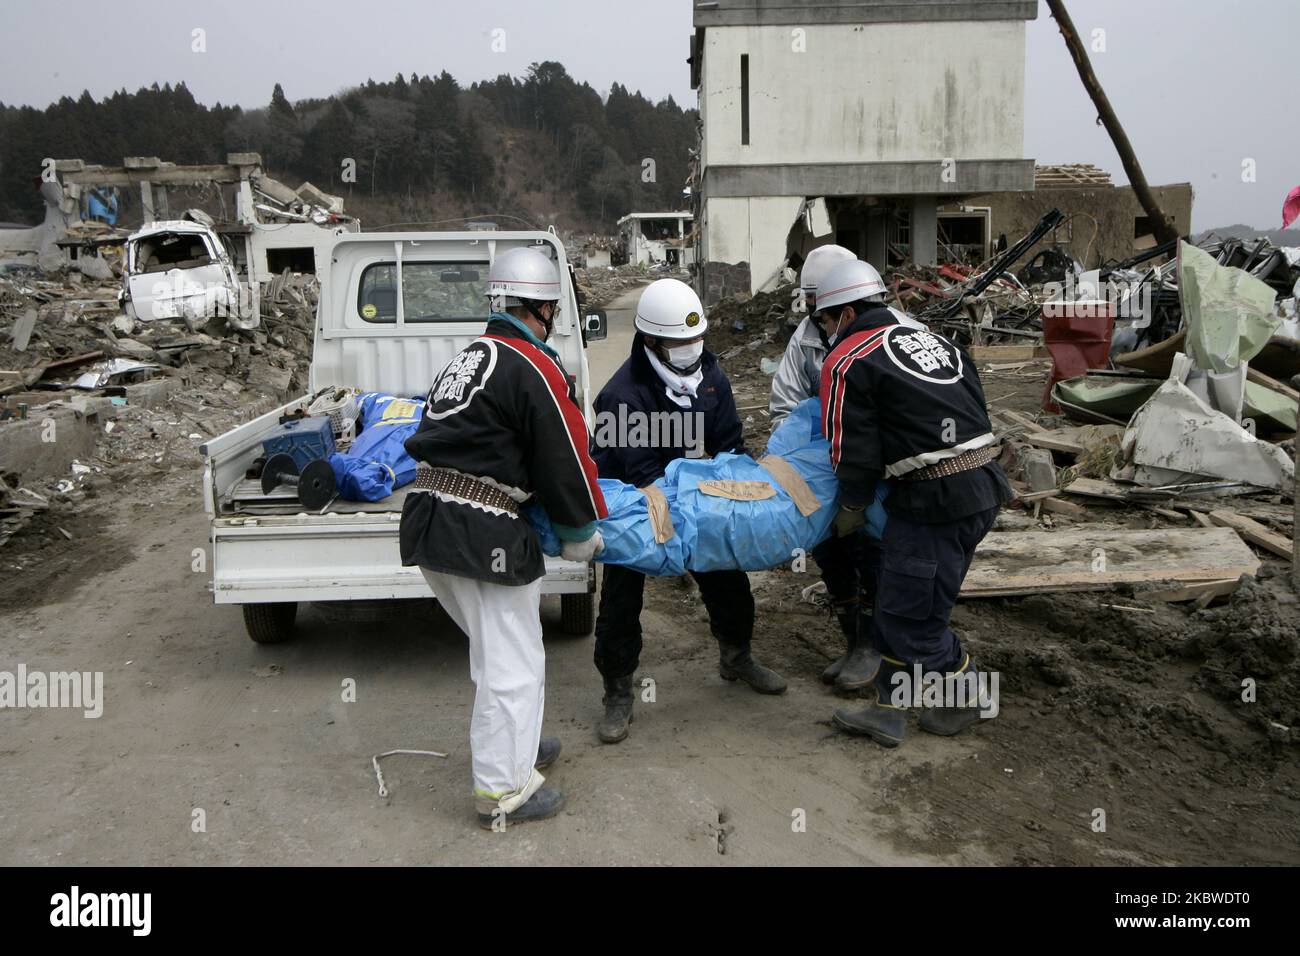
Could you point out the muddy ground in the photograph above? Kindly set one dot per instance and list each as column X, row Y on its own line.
column 1138, row 713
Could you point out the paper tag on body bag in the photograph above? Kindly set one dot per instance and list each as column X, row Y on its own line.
column 737, row 490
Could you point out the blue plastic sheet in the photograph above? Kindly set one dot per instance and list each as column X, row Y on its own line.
column 714, row 533
column 378, row 463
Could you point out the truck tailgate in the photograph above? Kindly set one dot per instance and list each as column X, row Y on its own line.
column 329, row 558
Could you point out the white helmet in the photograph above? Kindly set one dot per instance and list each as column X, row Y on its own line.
column 819, row 262
column 670, row 309
column 523, row 273
column 848, row 282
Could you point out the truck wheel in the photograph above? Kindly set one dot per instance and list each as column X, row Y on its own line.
column 577, row 613
column 270, row 623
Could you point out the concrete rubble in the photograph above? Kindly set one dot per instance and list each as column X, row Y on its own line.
column 1138, row 448
column 93, row 390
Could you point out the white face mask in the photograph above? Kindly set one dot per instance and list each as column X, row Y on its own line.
column 684, row 358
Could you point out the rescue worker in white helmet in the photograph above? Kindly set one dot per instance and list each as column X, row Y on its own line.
column 848, row 564
column 502, row 430
column 907, row 404
column 799, row 375
column 669, row 373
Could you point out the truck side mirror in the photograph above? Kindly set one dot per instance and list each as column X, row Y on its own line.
column 594, row 325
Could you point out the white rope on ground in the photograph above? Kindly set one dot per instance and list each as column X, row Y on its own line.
column 379, row 776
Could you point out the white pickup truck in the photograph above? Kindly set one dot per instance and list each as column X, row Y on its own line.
column 394, row 309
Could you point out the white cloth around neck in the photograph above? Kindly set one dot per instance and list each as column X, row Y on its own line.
column 680, row 388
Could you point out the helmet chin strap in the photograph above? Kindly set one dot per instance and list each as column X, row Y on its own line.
column 536, row 313
column 689, row 370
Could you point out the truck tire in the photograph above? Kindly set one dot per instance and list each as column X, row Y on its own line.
column 577, row 614
column 270, row 623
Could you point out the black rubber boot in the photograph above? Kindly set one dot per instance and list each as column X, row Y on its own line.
column 618, row 710
column 546, row 802
column 948, row 721
column 860, row 667
column 737, row 663
column 848, row 618
column 548, row 749
column 882, row 721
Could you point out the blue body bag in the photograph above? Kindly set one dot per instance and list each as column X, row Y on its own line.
column 378, row 463
column 713, row 533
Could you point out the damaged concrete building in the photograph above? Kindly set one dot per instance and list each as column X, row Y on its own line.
column 926, row 106
column 185, row 261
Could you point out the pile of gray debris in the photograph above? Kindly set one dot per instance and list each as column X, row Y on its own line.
column 85, row 388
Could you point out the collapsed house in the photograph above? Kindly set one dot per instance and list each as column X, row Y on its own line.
column 1102, row 222
column 657, row 239
column 195, row 264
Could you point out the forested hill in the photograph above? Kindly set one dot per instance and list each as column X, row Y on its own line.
column 543, row 147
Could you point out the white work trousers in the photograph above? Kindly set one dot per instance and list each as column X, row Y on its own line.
column 508, row 667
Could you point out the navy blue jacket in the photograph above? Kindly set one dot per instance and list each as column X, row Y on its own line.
column 638, row 387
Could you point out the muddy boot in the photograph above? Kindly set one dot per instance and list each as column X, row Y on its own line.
column 546, row 802
column 848, row 618
column 548, row 749
column 882, row 721
column 737, row 663
column 860, row 667
column 618, row 709
column 952, row 719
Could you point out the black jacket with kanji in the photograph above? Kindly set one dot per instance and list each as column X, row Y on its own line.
column 895, row 399
column 503, row 412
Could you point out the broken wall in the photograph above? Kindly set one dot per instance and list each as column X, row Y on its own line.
column 751, row 231
column 1103, row 228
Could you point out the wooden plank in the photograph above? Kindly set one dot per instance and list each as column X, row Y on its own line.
column 1169, row 513
column 1090, row 559
column 1201, row 518
column 1068, row 508
column 1096, row 488
column 1254, row 532
column 1017, row 419
column 1259, row 378
column 1045, row 440
column 61, row 365
column 1007, row 353
column 1029, row 497
column 1190, row 592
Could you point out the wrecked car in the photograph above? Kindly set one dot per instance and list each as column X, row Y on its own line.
column 178, row 269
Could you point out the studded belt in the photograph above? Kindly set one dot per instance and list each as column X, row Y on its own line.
column 966, row 461
column 463, row 486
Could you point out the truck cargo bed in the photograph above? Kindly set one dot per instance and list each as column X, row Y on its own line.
column 246, row 498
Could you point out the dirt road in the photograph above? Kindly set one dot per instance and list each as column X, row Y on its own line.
column 1097, row 713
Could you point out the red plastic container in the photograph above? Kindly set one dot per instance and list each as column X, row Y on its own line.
column 1077, row 334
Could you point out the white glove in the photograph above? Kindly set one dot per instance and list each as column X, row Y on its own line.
column 583, row 550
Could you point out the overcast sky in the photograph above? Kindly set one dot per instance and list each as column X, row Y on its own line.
column 1200, row 85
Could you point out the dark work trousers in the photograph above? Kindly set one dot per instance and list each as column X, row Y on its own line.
column 922, row 567
column 726, row 596
column 844, row 563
